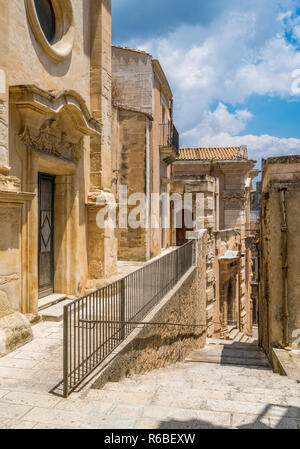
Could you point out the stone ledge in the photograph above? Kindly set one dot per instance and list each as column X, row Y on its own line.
column 286, row 363
column 15, row 331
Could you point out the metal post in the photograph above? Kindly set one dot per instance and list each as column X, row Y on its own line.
column 65, row 351
column 122, row 308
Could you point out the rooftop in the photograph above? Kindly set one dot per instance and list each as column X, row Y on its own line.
column 216, row 154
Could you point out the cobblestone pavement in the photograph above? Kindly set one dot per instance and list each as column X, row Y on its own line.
column 190, row 395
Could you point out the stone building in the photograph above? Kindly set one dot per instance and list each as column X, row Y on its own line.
column 145, row 144
column 279, row 306
column 55, row 154
column 223, row 178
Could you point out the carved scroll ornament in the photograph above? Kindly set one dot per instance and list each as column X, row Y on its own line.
column 51, row 140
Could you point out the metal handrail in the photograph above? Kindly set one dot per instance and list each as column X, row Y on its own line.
column 118, row 308
column 169, row 136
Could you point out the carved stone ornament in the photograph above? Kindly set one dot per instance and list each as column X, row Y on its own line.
column 235, row 199
column 51, row 140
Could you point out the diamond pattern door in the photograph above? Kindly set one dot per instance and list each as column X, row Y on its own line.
column 46, row 235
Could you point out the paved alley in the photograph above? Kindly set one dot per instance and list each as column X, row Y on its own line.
column 189, row 395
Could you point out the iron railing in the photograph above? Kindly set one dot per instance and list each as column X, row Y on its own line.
column 169, row 136
column 95, row 324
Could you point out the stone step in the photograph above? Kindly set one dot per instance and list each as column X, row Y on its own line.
column 231, row 384
column 233, row 334
column 239, row 337
column 55, row 312
column 230, row 342
column 225, row 379
column 178, row 385
column 235, row 346
column 245, row 339
column 227, row 360
column 228, row 352
column 50, row 300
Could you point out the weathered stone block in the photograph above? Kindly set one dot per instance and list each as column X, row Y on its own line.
column 15, row 330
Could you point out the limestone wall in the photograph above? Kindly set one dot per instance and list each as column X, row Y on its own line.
column 28, row 63
column 132, row 79
column 153, row 347
column 132, row 159
column 281, row 174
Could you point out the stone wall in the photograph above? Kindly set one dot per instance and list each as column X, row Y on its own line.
column 132, row 79
column 132, row 161
column 279, row 310
column 153, row 347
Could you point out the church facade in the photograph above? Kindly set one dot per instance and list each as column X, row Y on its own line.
column 55, row 131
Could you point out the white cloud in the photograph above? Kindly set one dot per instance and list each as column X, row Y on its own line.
column 243, row 52
column 220, row 128
column 296, row 33
column 224, row 64
column 220, row 121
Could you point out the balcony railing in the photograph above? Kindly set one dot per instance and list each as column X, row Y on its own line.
column 169, row 136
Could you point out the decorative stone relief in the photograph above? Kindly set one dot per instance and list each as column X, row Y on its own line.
column 9, row 183
column 2, row 108
column 234, row 200
column 8, row 278
column 5, row 304
column 51, row 140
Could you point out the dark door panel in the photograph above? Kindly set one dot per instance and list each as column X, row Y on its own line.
column 46, row 235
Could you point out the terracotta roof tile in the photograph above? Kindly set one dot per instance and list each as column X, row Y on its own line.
column 217, row 154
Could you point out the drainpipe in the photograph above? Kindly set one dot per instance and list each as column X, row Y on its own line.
column 284, row 230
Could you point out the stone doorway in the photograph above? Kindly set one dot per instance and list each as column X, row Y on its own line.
column 184, row 221
column 232, row 304
column 46, row 185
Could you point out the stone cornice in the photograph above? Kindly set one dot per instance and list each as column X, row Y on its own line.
column 122, row 107
column 39, row 100
column 16, row 197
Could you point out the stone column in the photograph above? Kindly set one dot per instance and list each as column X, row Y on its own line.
column 102, row 243
column 203, row 209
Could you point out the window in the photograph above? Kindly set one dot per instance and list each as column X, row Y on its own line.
column 46, row 16
column 53, row 26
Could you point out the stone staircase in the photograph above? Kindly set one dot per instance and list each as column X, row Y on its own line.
column 235, row 335
column 230, row 352
column 51, row 307
column 232, row 387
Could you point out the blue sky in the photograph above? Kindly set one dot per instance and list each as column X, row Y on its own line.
column 234, row 67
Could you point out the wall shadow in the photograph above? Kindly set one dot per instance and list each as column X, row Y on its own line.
column 290, row 419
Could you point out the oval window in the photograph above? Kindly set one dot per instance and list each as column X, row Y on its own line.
column 46, row 16
column 53, row 25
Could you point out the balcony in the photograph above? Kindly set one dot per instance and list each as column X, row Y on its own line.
column 169, row 141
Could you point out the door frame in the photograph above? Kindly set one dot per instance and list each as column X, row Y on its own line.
column 41, row 294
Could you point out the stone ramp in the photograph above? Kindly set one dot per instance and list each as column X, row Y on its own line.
column 230, row 353
column 287, row 363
